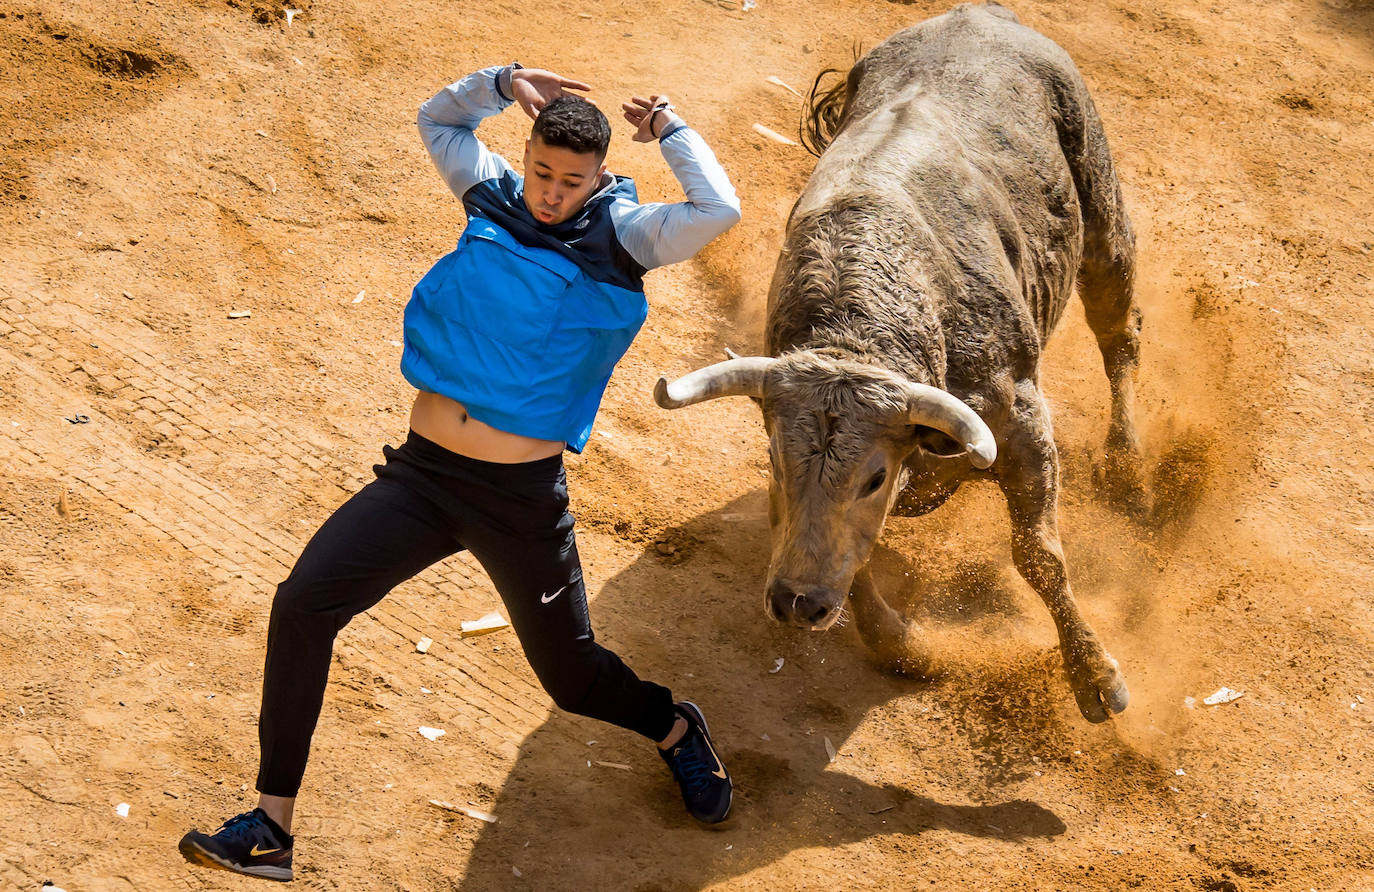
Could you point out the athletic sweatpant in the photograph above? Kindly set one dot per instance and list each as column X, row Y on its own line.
column 426, row 504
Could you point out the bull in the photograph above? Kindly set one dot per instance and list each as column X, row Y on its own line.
column 964, row 185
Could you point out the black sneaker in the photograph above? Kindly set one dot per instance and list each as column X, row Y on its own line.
column 250, row 843
column 706, row 788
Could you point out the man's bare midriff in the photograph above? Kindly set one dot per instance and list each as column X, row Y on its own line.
column 444, row 421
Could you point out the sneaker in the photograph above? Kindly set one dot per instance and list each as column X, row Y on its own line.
column 250, row 843
column 706, row 788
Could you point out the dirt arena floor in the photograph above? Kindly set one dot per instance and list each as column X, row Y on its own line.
column 167, row 166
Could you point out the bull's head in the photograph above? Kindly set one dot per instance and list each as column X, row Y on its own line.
column 838, row 434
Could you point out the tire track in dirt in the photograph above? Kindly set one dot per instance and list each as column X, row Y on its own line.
column 173, row 416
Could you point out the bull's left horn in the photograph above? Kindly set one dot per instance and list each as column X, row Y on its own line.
column 742, row 376
column 936, row 408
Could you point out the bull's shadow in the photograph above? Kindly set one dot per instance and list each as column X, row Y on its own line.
column 694, row 620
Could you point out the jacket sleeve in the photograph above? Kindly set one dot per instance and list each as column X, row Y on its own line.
column 658, row 234
column 447, row 121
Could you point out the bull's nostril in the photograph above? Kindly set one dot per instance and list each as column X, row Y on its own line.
column 816, row 612
column 788, row 605
column 783, row 604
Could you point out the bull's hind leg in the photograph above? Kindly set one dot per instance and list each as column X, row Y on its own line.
column 1028, row 472
column 1106, row 279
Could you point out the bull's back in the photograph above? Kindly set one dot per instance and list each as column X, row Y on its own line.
column 964, row 117
column 975, row 57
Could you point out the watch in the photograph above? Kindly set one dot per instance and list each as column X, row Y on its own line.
column 510, row 81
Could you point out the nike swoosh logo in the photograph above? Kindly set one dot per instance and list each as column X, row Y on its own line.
column 544, row 599
column 720, row 768
column 255, row 851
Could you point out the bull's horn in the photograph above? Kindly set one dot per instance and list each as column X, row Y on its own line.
column 935, row 408
column 742, row 376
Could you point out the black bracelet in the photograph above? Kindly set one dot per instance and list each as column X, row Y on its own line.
column 662, row 106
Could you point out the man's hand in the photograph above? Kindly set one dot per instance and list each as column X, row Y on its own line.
column 649, row 116
column 535, row 88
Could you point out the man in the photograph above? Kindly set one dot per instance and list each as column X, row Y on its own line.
column 510, row 340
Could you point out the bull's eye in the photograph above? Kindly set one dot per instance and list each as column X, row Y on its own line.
column 876, row 483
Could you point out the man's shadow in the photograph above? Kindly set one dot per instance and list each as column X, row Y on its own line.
column 688, row 613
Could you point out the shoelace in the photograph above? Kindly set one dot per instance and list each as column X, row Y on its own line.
column 690, row 766
column 243, row 828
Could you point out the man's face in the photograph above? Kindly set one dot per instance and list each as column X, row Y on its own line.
column 558, row 181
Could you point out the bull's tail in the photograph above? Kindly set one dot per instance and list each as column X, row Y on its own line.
column 826, row 106
column 823, row 112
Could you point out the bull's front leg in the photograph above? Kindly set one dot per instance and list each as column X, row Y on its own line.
column 1028, row 473
column 899, row 645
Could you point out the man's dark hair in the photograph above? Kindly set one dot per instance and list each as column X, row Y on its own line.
column 571, row 122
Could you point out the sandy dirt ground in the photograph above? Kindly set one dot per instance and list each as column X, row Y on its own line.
column 167, row 165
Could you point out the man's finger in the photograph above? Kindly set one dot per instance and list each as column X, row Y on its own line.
column 574, row 85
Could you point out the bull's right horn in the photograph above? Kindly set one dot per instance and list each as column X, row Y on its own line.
column 741, row 376
column 945, row 412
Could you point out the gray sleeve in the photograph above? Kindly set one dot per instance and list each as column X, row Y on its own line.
column 659, row 234
column 447, row 121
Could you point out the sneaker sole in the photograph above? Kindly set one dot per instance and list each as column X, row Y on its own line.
column 701, row 720
column 198, row 856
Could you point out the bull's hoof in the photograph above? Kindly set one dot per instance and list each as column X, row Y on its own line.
column 1123, row 487
column 1099, row 688
column 1121, row 482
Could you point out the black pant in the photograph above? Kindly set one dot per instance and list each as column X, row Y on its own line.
column 428, row 503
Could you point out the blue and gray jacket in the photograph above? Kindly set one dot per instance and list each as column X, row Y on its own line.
column 523, row 323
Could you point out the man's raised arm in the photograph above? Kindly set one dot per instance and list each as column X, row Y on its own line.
column 660, row 234
column 447, row 121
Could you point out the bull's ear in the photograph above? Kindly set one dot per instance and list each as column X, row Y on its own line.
column 937, row 442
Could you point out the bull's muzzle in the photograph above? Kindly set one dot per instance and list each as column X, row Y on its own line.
column 812, row 607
